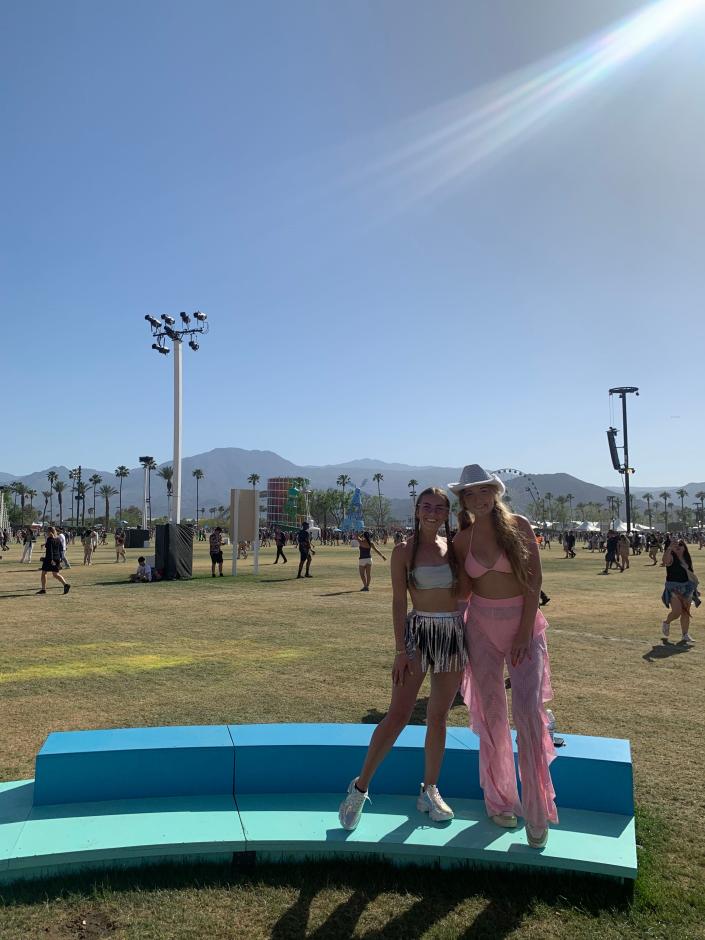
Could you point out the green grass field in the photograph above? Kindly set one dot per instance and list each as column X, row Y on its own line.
column 270, row 648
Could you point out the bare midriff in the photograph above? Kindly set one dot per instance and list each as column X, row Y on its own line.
column 496, row 585
column 434, row 600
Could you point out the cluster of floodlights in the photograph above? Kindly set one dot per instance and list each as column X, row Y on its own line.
column 166, row 327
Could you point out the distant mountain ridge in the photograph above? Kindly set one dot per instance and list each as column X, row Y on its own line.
column 227, row 467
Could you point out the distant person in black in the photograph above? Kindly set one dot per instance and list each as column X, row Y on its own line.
column 305, row 550
column 280, row 542
column 570, row 545
column 51, row 562
column 611, row 550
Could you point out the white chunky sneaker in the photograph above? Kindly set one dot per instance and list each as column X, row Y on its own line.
column 687, row 639
column 352, row 806
column 430, row 801
column 665, row 628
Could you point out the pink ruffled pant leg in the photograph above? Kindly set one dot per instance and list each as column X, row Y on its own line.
column 490, row 632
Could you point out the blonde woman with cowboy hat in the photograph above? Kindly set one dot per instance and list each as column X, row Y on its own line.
column 500, row 573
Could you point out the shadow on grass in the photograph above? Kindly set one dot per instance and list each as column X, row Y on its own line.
column 339, row 593
column 418, row 715
column 506, row 900
column 664, row 650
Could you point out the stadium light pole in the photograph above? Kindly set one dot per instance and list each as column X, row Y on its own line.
column 166, row 327
column 625, row 469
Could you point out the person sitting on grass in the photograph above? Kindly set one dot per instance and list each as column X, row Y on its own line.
column 144, row 571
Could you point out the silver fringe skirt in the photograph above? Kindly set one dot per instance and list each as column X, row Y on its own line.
column 438, row 639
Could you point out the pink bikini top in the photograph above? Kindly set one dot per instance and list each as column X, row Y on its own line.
column 476, row 569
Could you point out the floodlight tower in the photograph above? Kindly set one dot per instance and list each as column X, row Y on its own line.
column 160, row 330
column 626, row 469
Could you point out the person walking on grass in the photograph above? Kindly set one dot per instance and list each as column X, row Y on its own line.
column 680, row 590
column 28, row 546
column 305, row 550
column 623, row 551
column 87, row 542
column 65, row 563
column 366, row 547
column 215, row 547
column 52, row 561
column 120, row 546
column 280, row 542
column 611, row 550
column 500, row 571
column 430, row 637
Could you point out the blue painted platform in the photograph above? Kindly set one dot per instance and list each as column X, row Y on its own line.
column 127, row 796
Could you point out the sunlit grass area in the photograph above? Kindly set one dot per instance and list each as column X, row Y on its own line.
column 271, row 648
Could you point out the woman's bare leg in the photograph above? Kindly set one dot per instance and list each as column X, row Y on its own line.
column 391, row 726
column 444, row 687
column 676, row 608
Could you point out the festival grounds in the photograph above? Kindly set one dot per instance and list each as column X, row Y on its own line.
column 269, row 648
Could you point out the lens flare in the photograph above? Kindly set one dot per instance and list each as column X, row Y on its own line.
column 434, row 150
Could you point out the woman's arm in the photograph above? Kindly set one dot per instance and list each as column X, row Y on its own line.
column 377, row 551
column 402, row 663
column 520, row 647
column 459, row 547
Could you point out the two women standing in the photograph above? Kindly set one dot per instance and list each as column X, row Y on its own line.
column 457, row 639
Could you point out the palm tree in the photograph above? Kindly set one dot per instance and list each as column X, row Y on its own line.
column 701, row 497
column 682, row 494
column 81, row 490
column 560, row 512
column 569, row 498
column 618, row 504
column 149, row 464
column 121, row 473
column 198, row 474
column 94, row 481
column 106, row 491
column 52, row 477
column 648, row 497
column 665, row 497
column 46, row 494
column 412, row 484
column 253, row 479
column 212, row 511
column 548, row 497
column 343, row 481
column 21, row 490
column 581, row 507
column 31, row 494
column 72, row 476
column 167, row 474
column 59, row 488
column 378, row 477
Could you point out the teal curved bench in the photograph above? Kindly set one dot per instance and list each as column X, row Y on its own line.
column 131, row 795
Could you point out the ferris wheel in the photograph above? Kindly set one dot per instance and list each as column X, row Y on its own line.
column 509, row 475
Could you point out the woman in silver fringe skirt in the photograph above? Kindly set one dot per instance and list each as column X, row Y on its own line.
column 429, row 638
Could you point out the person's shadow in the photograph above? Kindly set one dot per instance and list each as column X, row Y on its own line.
column 418, row 715
column 664, row 650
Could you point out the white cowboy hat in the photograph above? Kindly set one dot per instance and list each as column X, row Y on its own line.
column 474, row 475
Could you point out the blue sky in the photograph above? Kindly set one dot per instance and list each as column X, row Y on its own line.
column 278, row 165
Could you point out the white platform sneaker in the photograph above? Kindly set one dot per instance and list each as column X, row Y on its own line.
column 430, row 801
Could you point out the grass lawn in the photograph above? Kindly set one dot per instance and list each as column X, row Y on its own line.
column 271, row 648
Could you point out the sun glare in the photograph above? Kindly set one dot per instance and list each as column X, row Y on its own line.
column 436, row 149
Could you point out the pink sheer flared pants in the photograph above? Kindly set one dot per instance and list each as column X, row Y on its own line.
column 490, row 628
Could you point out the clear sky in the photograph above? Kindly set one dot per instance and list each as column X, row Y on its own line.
column 427, row 232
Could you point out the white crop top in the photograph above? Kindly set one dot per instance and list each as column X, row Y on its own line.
column 427, row 577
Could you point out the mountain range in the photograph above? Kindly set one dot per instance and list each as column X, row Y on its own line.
column 227, row 467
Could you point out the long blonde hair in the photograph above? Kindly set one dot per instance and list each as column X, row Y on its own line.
column 431, row 491
column 509, row 539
